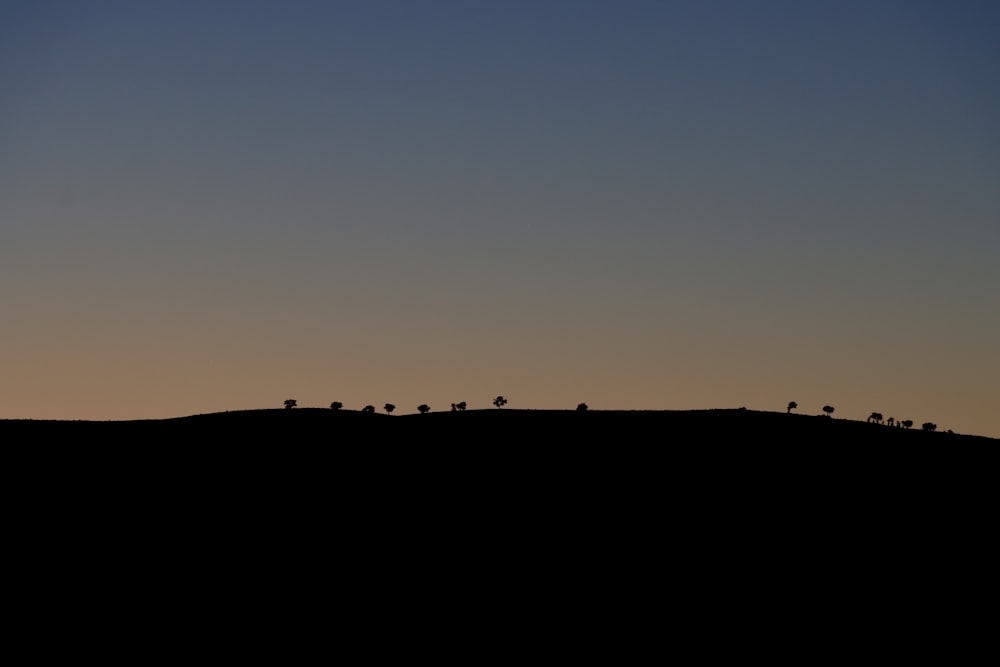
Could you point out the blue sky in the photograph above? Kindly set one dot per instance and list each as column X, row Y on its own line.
column 220, row 205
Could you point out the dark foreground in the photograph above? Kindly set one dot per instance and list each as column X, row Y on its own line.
column 716, row 498
column 510, row 428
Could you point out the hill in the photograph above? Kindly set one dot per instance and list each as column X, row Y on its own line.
column 306, row 467
column 688, row 428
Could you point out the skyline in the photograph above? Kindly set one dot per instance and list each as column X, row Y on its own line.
column 636, row 205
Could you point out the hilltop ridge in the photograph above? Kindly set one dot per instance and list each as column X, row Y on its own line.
column 676, row 427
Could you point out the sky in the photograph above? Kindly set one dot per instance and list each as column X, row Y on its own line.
column 220, row 205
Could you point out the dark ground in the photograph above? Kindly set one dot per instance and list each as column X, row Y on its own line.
column 707, row 511
column 663, row 428
column 608, row 446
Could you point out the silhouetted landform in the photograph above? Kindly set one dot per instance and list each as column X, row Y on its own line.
column 515, row 427
column 722, row 473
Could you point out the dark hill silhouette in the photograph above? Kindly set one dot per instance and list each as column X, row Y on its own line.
column 717, row 472
column 720, row 505
column 721, row 428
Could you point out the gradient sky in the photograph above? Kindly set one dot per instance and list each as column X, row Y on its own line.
column 215, row 205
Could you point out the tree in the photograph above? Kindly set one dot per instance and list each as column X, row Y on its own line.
column 907, row 423
column 582, row 407
column 791, row 406
column 291, row 403
column 368, row 409
column 423, row 408
column 389, row 407
column 499, row 401
column 928, row 426
column 336, row 405
column 828, row 409
column 461, row 406
column 875, row 417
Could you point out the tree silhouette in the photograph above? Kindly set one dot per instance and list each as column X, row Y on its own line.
column 875, row 417
column 907, row 423
column 791, row 406
column 928, row 426
column 828, row 409
column 582, row 407
column 336, row 405
column 891, row 421
column 499, row 401
column 290, row 403
column 368, row 409
column 389, row 407
column 458, row 407
column 423, row 408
